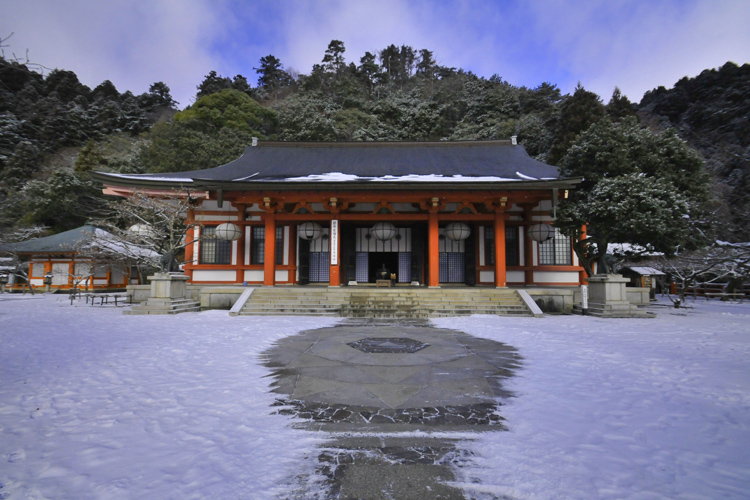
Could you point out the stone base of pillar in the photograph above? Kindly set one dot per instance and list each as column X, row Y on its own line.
column 608, row 298
column 167, row 296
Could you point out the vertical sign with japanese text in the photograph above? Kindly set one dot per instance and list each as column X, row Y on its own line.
column 334, row 243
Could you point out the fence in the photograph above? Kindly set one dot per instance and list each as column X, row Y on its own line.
column 710, row 290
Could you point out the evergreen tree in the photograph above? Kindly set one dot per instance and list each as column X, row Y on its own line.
column 619, row 106
column 632, row 169
column 272, row 75
column 334, row 57
column 577, row 113
column 426, row 65
column 213, row 83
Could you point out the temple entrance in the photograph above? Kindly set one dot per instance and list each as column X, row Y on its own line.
column 372, row 254
column 382, row 260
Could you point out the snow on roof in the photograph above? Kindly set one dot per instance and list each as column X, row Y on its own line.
column 645, row 271
column 107, row 241
column 149, row 177
column 341, row 177
column 79, row 239
column 629, row 248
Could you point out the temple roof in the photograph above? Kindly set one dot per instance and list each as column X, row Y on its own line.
column 76, row 240
column 361, row 163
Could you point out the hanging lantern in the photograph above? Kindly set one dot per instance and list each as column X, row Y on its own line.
column 227, row 232
column 457, row 231
column 383, row 231
column 541, row 232
column 309, row 231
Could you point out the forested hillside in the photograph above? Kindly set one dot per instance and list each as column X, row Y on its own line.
column 54, row 130
column 711, row 112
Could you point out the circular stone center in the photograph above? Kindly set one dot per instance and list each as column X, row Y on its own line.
column 388, row 345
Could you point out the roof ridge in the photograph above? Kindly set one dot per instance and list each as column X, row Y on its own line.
column 378, row 144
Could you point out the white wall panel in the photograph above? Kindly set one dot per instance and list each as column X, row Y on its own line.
column 214, row 275
column 555, row 277
column 254, row 275
column 515, row 276
column 486, row 276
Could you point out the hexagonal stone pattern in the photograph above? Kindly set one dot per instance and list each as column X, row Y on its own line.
column 390, row 345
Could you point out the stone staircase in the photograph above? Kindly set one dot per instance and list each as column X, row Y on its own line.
column 164, row 306
column 396, row 302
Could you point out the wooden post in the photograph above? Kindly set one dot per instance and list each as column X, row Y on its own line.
column 582, row 277
column 269, row 265
column 189, row 245
column 500, row 272
column 433, row 242
column 334, row 251
column 528, row 245
column 240, row 263
column 292, row 244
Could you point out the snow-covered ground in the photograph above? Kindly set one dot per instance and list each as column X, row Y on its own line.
column 97, row 405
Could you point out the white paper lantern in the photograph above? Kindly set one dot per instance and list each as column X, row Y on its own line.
column 457, row 231
column 227, row 232
column 309, row 231
column 541, row 232
column 383, row 231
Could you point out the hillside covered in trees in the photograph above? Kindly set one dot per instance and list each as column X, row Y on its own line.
column 54, row 130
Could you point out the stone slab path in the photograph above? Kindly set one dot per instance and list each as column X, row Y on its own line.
column 392, row 395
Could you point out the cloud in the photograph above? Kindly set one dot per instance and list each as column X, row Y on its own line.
column 133, row 44
column 634, row 45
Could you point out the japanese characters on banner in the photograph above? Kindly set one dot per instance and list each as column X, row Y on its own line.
column 334, row 249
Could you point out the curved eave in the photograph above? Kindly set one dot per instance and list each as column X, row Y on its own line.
column 195, row 186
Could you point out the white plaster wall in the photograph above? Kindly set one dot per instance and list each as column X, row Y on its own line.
column 486, row 276
column 282, row 275
column 286, row 246
column 515, row 276
column 214, row 275
column 555, row 277
column 247, row 245
column 254, row 275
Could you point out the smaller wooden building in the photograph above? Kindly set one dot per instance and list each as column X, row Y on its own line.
column 644, row 276
column 63, row 257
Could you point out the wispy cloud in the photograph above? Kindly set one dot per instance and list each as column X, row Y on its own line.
column 632, row 44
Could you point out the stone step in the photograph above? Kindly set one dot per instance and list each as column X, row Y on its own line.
column 384, row 303
column 173, row 307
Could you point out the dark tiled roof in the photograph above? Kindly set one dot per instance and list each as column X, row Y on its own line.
column 277, row 161
column 67, row 242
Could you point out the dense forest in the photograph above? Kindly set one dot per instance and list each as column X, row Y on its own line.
column 54, row 130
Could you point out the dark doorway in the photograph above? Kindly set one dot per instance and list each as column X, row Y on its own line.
column 376, row 261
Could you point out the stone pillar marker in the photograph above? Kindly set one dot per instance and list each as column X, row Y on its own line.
column 609, row 299
column 167, row 296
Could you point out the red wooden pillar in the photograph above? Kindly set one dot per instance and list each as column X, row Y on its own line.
column 528, row 248
column 500, row 275
column 189, row 245
column 240, row 263
column 433, row 259
column 582, row 277
column 334, row 241
column 292, row 245
column 269, row 262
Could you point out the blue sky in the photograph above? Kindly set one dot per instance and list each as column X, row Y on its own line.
column 636, row 45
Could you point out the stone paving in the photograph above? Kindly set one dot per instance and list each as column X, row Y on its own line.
column 371, row 385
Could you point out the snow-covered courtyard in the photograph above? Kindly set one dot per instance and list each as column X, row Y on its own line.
column 97, row 405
